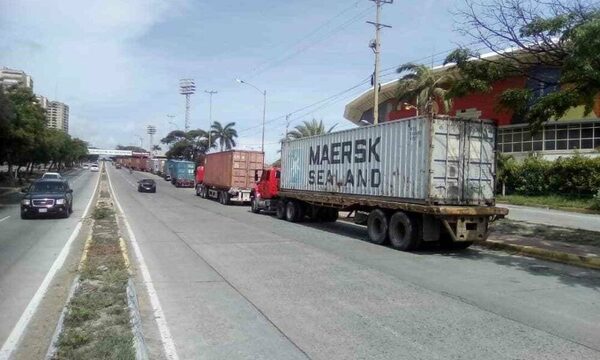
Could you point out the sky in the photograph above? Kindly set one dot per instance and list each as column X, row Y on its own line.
column 117, row 64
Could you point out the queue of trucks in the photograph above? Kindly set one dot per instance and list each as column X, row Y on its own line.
column 418, row 180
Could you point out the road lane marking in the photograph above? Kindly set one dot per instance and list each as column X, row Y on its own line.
column 11, row 343
column 4, row 218
column 165, row 334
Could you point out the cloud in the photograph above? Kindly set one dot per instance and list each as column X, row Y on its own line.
column 83, row 53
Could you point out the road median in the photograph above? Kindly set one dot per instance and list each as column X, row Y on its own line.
column 97, row 323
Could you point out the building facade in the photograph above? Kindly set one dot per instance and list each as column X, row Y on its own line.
column 574, row 132
column 57, row 116
column 12, row 77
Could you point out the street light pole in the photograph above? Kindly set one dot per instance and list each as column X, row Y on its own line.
column 264, row 93
column 210, row 94
column 151, row 129
column 187, row 87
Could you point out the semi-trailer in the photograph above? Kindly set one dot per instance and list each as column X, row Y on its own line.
column 228, row 176
column 417, row 180
column 182, row 173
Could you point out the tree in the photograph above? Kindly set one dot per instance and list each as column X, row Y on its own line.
column 131, row 148
column 224, row 135
column 308, row 128
column 425, row 88
column 156, row 148
column 561, row 36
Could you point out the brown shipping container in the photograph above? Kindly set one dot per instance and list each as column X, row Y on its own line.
column 232, row 169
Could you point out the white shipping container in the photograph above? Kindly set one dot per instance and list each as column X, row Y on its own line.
column 420, row 160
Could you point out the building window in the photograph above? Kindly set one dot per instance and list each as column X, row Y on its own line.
column 584, row 136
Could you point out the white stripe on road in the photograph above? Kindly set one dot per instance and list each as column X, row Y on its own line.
column 10, row 345
column 159, row 316
column 4, row 218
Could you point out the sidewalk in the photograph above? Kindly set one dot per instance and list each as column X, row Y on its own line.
column 581, row 247
column 566, row 219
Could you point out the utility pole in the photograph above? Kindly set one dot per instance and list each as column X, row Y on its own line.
column 210, row 94
column 151, row 129
column 287, row 125
column 187, row 87
column 376, row 46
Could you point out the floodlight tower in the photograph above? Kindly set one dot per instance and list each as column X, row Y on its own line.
column 151, row 130
column 187, row 87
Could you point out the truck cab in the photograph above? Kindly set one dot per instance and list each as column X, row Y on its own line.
column 266, row 189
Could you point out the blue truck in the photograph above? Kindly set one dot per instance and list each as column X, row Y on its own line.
column 181, row 172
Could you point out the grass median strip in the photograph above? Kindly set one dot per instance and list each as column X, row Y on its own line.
column 97, row 323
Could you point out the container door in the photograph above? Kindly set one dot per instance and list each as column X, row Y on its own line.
column 463, row 161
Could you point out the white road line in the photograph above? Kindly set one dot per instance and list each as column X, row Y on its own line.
column 159, row 316
column 4, row 218
column 10, row 345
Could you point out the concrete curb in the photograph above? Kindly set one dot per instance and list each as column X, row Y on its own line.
column 591, row 262
column 141, row 348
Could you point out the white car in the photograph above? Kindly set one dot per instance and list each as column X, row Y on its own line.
column 94, row 168
column 86, row 166
column 51, row 175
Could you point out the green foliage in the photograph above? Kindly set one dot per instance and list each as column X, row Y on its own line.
column 596, row 201
column 559, row 34
column 309, row 128
column 571, row 176
column 24, row 138
column 190, row 145
column 424, row 87
column 225, row 135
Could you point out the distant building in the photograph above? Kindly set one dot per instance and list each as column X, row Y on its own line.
column 43, row 101
column 574, row 132
column 57, row 116
column 12, row 77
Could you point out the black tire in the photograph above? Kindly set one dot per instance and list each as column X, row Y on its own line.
column 330, row 215
column 403, row 232
column 24, row 215
column 280, row 210
column 66, row 214
column 377, row 227
column 254, row 206
column 315, row 213
column 293, row 211
column 154, row 191
column 225, row 198
column 198, row 190
column 71, row 208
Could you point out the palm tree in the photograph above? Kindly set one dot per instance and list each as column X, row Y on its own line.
column 225, row 135
column 425, row 87
column 308, row 128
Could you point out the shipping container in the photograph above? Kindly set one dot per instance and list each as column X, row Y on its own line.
column 229, row 175
column 418, row 179
column 437, row 161
column 182, row 173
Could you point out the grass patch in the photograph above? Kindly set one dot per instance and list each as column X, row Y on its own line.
column 102, row 213
column 97, row 322
column 550, row 201
column 545, row 232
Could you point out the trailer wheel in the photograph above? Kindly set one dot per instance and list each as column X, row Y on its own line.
column 198, row 190
column 224, row 198
column 293, row 211
column 280, row 210
column 254, row 205
column 403, row 232
column 330, row 214
column 377, row 227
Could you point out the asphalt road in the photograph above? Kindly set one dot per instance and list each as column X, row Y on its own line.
column 236, row 285
column 590, row 222
column 28, row 248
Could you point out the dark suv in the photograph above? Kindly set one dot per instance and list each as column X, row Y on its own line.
column 47, row 197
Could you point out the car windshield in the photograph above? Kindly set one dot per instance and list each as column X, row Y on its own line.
column 48, row 187
column 50, row 176
column 147, row 182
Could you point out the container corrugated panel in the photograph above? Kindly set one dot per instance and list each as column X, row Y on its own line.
column 232, row 169
column 444, row 161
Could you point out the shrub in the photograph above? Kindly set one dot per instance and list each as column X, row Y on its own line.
column 596, row 201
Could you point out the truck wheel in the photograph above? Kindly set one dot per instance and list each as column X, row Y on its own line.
column 377, row 227
column 293, row 211
column 280, row 210
column 403, row 232
column 330, row 215
column 254, row 206
column 198, row 190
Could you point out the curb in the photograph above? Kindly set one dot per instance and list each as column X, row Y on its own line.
column 591, row 262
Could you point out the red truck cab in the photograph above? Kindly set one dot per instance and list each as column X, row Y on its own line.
column 199, row 178
column 266, row 188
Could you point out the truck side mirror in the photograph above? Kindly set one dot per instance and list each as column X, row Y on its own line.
column 255, row 175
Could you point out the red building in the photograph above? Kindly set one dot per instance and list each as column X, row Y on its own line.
column 572, row 132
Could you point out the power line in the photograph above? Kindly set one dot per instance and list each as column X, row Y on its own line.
column 308, row 36
column 309, row 45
